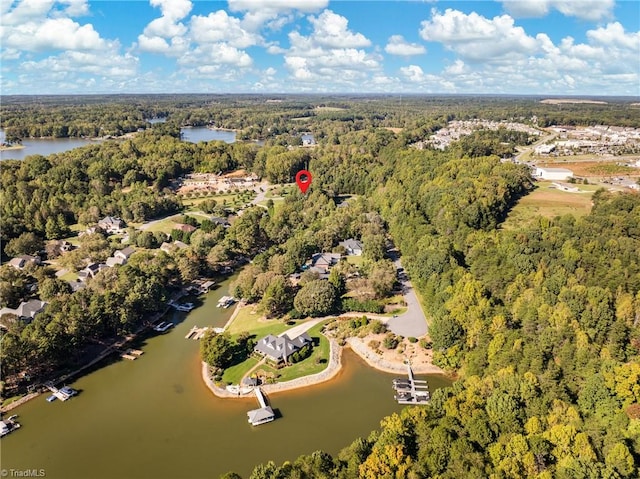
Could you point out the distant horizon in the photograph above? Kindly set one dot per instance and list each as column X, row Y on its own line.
column 435, row 47
column 328, row 95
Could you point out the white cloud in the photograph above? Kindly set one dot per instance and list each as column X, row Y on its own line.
column 331, row 53
column 273, row 13
column 166, row 34
column 397, row 45
column 215, row 54
column 219, row 26
column 52, row 34
column 592, row 10
column 71, row 63
column 331, row 30
column 477, row 38
column 75, row 50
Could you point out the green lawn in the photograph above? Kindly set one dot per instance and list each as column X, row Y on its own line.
column 308, row 366
column 355, row 260
column 245, row 321
column 234, row 374
column 165, row 225
column 69, row 276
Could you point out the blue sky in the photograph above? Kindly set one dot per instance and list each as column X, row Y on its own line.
column 555, row 47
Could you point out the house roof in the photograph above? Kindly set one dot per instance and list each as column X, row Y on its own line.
column 281, row 347
column 17, row 263
column 126, row 252
column 185, row 228
column 262, row 414
column 328, row 259
column 111, row 220
column 352, row 244
column 220, row 220
column 114, row 260
column 180, row 244
column 555, row 170
column 26, row 309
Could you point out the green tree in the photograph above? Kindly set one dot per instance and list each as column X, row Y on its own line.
column 315, row 298
column 27, row 243
column 216, row 349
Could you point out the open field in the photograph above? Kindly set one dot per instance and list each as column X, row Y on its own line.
column 549, row 202
column 589, row 166
column 250, row 320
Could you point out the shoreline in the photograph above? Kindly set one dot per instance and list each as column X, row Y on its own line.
column 12, row 148
column 332, row 369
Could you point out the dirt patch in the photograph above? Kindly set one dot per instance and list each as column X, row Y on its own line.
column 393, row 129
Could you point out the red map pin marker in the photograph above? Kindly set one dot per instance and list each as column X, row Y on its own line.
column 303, row 178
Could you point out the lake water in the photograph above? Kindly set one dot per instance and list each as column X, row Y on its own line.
column 202, row 133
column 155, row 418
column 48, row 146
column 42, row 146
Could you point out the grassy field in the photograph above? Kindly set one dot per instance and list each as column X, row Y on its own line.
column 255, row 324
column 355, row 260
column 549, row 202
column 311, row 365
column 234, row 374
column 592, row 165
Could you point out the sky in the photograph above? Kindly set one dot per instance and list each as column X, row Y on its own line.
column 548, row 47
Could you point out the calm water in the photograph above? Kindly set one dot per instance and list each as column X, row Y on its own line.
column 42, row 146
column 202, row 133
column 155, row 418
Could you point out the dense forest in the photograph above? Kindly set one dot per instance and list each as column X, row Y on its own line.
column 541, row 324
column 263, row 117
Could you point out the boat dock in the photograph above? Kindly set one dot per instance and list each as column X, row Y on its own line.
column 226, row 301
column 411, row 390
column 63, row 393
column 264, row 414
column 131, row 354
column 196, row 332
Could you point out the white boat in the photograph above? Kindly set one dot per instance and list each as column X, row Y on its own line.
column 65, row 393
column 8, row 425
column 163, row 326
column 184, row 307
column 226, row 301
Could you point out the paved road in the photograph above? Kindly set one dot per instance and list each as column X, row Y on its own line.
column 413, row 323
column 302, row 328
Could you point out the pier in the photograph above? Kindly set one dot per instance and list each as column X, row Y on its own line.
column 196, row 332
column 264, row 414
column 411, row 390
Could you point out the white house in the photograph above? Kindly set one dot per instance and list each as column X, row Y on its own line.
column 553, row 173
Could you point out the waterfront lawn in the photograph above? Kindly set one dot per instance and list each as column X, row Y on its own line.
column 255, row 323
column 235, row 373
column 317, row 362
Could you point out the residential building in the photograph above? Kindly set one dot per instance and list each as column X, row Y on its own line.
column 184, row 228
column 279, row 348
column 219, row 220
column 124, row 253
column 352, row 246
column 21, row 262
column 111, row 224
column 322, row 263
column 26, row 311
column 90, row 271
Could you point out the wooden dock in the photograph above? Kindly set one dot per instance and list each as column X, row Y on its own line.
column 196, row 333
column 411, row 390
